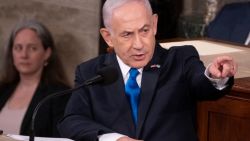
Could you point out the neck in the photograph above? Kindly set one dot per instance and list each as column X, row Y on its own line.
column 29, row 80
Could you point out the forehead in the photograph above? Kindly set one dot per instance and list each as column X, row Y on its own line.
column 26, row 31
column 27, row 36
column 132, row 13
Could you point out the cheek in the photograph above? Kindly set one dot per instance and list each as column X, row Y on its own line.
column 15, row 58
column 122, row 51
column 150, row 46
column 38, row 59
column 122, row 46
column 15, row 54
column 149, row 43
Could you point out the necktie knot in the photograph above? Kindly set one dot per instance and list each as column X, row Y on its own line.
column 133, row 72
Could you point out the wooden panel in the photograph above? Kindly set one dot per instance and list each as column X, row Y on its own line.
column 228, row 127
column 227, row 119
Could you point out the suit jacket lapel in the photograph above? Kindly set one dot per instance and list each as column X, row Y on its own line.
column 149, row 81
column 117, row 91
column 116, row 88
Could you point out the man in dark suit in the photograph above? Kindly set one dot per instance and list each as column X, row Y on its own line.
column 160, row 104
column 232, row 23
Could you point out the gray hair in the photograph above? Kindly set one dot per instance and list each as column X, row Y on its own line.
column 110, row 5
column 39, row 28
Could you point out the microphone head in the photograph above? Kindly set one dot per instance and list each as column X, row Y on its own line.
column 109, row 74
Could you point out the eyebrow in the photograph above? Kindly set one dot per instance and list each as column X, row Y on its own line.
column 144, row 26
column 127, row 31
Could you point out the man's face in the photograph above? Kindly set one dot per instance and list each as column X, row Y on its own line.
column 132, row 34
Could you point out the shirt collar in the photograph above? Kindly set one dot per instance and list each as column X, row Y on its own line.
column 125, row 68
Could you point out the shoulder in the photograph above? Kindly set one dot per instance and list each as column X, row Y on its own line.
column 46, row 89
column 59, row 86
column 6, row 91
column 93, row 62
column 91, row 66
column 176, row 55
column 50, row 88
column 7, row 88
column 181, row 51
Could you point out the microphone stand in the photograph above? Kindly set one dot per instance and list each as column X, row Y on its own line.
column 106, row 75
column 32, row 133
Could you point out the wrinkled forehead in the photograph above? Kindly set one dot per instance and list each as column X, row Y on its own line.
column 136, row 19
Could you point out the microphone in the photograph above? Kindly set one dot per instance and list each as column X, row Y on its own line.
column 105, row 75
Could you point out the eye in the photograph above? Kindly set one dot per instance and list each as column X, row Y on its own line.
column 32, row 47
column 145, row 30
column 126, row 34
column 17, row 47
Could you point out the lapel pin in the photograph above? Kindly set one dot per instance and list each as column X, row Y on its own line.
column 155, row 66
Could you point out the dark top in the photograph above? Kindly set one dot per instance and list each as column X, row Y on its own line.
column 231, row 24
column 167, row 104
column 48, row 114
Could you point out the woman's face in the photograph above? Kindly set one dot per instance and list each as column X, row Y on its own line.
column 29, row 55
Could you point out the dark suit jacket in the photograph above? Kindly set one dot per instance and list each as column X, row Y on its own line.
column 48, row 114
column 231, row 24
column 167, row 100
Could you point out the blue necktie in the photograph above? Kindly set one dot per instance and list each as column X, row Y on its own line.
column 132, row 91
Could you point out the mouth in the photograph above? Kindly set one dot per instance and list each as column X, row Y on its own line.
column 24, row 64
column 139, row 57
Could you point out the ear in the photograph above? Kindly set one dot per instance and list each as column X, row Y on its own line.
column 106, row 36
column 155, row 22
column 48, row 52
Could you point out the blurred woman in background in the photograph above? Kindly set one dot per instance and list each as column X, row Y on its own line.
column 32, row 71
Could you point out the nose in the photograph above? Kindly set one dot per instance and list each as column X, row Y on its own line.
column 24, row 53
column 137, row 44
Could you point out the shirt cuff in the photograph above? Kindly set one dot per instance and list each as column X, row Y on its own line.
column 110, row 137
column 217, row 83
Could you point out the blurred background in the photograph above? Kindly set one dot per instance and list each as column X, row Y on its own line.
column 75, row 23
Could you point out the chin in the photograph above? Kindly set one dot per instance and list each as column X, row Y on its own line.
column 27, row 71
column 139, row 64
